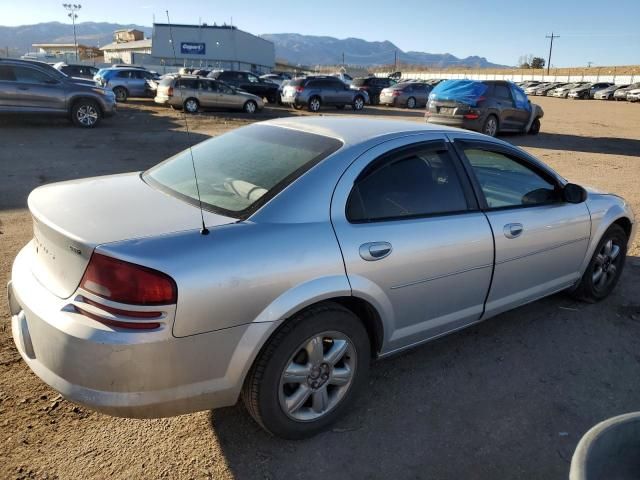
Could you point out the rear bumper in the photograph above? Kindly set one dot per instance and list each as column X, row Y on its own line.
column 457, row 121
column 125, row 373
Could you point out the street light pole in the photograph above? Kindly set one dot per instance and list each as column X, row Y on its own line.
column 72, row 8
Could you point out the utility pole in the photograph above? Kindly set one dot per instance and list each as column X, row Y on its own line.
column 589, row 64
column 552, row 36
column 342, row 59
column 395, row 61
column 72, row 8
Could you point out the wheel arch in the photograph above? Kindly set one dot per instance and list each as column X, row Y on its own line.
column 605, row 211
column 74, row 100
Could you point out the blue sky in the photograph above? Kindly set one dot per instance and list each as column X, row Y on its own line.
column 605, row 33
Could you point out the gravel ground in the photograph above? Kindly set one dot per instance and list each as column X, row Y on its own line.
column 508, row 398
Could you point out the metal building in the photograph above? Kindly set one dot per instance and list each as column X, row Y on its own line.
column 205, row 46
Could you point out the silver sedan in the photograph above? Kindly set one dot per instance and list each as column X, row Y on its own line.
column 322, row 243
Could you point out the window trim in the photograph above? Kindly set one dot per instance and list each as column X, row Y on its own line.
column 406, row 151
column 461, row 144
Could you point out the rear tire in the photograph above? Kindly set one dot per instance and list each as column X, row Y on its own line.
column 121, row 94
column 85, row 114
column 535, row 127
column 318, row 388
column 490, row 126
column 604, row 269
column 411, row 102
column 191, row 105
column 314, row 104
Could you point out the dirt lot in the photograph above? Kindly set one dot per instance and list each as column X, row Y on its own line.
column 508, row 398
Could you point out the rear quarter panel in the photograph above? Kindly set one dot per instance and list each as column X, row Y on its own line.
column 242, row 273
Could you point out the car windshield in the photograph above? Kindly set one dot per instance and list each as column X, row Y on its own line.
column 241, row 170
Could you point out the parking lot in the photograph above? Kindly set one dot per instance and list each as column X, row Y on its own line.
column 508, row 398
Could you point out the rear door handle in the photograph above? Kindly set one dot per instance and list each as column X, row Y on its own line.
column 372, row 251
column 513, row 230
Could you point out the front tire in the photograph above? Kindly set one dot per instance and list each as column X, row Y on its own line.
column 250, row 107
column 358, row 103
column 86, row 114
column 309, row 372
column 604, row 269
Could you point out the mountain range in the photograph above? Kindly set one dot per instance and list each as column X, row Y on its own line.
column 292, row 47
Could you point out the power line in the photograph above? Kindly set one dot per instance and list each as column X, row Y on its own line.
column 552, row 36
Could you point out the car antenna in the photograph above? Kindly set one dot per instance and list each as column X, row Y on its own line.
column 204, row 230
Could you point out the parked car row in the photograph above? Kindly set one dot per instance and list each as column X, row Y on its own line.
column 583, row 90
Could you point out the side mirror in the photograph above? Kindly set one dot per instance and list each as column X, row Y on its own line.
column 573, row 193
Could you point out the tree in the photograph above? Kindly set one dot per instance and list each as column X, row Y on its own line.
column 525, row 61
column 537, row 62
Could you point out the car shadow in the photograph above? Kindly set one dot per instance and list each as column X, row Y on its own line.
column 506, row 398
column 134, row 139
column 577, row 143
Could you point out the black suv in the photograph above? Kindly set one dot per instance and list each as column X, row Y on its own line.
column 313, row 92
column 489, row 107
column 373, row 86
column 37, row 88
column 76, row 70
column 248, row 82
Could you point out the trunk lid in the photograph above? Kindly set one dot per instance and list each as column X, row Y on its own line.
column 71, row 218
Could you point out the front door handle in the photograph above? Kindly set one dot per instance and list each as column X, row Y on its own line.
column 513, row 230
column 372, row 251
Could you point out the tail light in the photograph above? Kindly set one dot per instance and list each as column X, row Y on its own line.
column 299, row 89
column 128, row 283
column 125, row 282
column 170, row 92
column 480, row 99
column 471, row 116
column 395, row 93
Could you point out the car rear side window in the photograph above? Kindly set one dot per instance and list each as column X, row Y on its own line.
column 420, row 183
column 30, row 75
column 241, row 170
column 502, row 92
column 506, row 182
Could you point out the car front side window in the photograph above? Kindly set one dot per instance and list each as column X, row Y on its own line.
column 420, row 183
column 506, row 182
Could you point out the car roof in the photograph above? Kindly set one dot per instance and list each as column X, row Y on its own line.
column 357, row 130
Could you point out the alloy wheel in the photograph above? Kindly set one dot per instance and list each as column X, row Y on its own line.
column 491, row 127
column 411, row 103
column 358, row 103
column 317, row 376
column 87, row 115
column 250, row 107
column 606, row 265
column 314, row 104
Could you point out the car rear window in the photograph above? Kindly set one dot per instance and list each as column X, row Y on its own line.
column 358, row 82
column 241, row 170
column 297, row 82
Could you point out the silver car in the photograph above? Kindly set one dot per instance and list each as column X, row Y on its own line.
column 322, row 242
column 193, row 93
column 409, row 94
